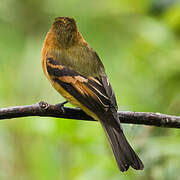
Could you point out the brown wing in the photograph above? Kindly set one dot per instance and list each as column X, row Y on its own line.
column 95, row 94
column 109, row 91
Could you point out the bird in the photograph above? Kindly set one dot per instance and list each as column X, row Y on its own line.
column 75, row 70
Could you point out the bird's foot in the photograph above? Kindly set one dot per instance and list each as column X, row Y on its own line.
column 61, row 106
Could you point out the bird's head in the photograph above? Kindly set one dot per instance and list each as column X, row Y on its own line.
column 64, row 24
column 65, row 29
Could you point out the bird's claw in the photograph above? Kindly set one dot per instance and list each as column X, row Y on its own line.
column 61, row 106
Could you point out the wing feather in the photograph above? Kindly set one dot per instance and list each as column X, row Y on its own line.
column 88, row 90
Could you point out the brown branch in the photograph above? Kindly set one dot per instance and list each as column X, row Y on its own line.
column 45, row 109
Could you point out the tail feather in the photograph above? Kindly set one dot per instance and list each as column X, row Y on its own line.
column 124, row 154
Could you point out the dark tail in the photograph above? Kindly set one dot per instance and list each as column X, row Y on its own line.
column 124, row 154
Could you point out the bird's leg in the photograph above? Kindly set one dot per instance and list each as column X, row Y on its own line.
column 61, row 106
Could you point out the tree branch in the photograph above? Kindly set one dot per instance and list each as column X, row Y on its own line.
column 48, row 110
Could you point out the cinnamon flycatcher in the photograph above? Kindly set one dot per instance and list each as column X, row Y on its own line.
column 77, row 73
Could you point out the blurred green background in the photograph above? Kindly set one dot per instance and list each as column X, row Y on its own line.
column 139, row 44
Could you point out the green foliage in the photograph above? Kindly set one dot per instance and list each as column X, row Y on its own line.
column 138, row 42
